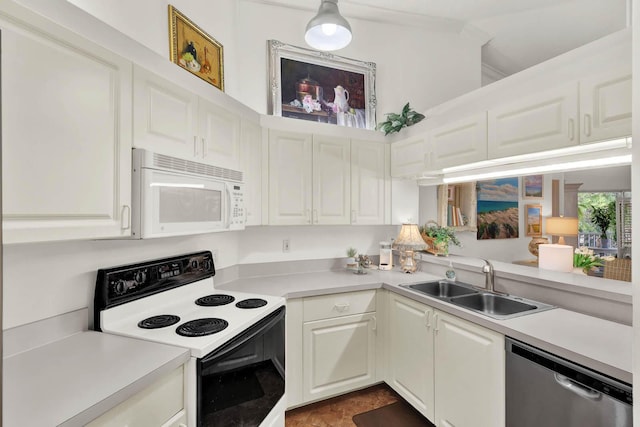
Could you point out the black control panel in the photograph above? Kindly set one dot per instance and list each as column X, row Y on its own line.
column 118, row 285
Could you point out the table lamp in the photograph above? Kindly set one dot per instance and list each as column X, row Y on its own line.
column 558, row 257
column 408, row 241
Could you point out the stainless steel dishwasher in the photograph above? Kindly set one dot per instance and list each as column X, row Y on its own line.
column 544, row 390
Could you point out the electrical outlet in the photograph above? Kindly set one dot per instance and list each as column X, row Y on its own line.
column 214, row 254
column 285, row 245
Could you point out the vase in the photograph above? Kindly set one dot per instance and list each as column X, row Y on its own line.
column 535, row 242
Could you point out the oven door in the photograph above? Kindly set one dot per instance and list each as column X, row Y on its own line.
column 174, row 204
column 243, row 380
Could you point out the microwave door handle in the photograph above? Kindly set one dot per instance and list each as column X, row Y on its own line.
column 228, row 219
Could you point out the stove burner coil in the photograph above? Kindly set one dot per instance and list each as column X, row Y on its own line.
column 251, row 303
column 201, row 327
column 215, row 300
column 161, row 321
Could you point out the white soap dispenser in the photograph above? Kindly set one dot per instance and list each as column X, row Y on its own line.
column 450, row 273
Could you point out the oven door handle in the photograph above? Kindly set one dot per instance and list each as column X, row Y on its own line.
column 247, row 335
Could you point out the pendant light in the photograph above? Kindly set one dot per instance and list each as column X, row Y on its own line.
column 328, row 30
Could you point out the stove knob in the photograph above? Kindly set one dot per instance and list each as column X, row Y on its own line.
column 140, row 277
column 121, row 287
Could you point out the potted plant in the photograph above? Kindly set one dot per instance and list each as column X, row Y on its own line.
column 351, row 257
column 602, row 217
column 438, row 238
column 584, row 260
column 395, row 122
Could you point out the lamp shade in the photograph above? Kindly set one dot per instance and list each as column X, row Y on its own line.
column 410, row 238
column 328, row 30
column 562, row 226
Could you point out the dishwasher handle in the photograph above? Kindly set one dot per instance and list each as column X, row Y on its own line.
column 577, row 388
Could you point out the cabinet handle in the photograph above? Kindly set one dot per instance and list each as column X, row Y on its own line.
column 571, row 130
column 195, row 146
column 587, row 124
column 435, row 322
column 427, row 319
column 127, row 216
column 204, row 148
column 375, row 323
column 354, row 219
column 341, row 307
column 315, row 216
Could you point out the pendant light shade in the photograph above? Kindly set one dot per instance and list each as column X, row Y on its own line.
column 328, row 30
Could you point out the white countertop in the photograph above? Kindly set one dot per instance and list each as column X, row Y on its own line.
column 598, row 344
column 76, row 379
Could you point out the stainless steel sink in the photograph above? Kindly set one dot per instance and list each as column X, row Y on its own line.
column 442, row 289
column 497, row 306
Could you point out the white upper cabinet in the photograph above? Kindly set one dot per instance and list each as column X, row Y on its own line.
column 369, row 183
column 453, row 144
column 219, row 133
column 331, row 180
column 172, row 120
column 66, row 136
column 251, row 161
column 541, row 122
column 165, row 116
column 605, row 106
column 408, row 157
column 290, row 160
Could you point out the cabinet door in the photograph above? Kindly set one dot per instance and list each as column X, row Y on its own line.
column 605, row 106
column 368, row 183
column 458, row 143
column 411, row 353
column 66, row 137
column 408, row 157
column 219, row 133
column 339, row 355
column 331, row 180
column 164, row 117
column 251, row 155
column 469, row 374
column 289, row 178
column 542, row 122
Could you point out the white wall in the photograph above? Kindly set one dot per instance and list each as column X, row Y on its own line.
column 601, row 180
column 413, row 64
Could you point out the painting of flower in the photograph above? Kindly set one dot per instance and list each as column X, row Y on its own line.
column 497, row 208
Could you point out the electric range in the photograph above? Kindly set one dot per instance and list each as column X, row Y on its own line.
column 236, row 372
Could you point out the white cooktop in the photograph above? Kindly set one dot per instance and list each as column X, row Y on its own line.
column 123, row 319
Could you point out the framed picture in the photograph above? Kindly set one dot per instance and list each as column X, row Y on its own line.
column 194, row 50
column 321, row 87
column 497, row 208
column 533, row 220
column 532, row 186
column 451, row 194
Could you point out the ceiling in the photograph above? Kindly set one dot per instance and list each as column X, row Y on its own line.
column 521, row 33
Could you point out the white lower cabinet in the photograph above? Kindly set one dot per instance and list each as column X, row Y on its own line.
column 161, row 404
column 339, row 355
column 449, row 369
column 410, row 371
column 469, row 374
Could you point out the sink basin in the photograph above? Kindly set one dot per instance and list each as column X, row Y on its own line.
column 442, row 289
column 498, row 306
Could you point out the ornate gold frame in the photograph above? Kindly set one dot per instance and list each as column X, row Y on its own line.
column 182, row 29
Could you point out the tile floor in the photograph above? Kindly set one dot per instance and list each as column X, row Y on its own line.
column 338, row 411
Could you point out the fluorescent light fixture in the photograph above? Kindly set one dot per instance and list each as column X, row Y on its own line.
column 175, row 185
column 530, row 170
column 328, row 30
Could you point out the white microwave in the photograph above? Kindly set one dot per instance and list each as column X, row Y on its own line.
column 174, row 197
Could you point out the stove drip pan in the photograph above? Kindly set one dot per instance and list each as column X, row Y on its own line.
column 160, row 321
column 201, row 327
column 251, row 303
column 215, row 300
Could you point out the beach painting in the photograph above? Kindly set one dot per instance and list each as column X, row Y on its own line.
column 497, row 208
column 532, row 186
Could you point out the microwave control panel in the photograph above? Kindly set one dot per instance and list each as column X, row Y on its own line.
column 238, row 212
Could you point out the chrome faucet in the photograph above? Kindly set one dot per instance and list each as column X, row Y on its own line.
column 489, row 276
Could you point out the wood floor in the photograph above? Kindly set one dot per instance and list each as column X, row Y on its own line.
column 338, row 411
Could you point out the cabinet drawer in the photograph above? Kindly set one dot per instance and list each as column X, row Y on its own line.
column 336, row 305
